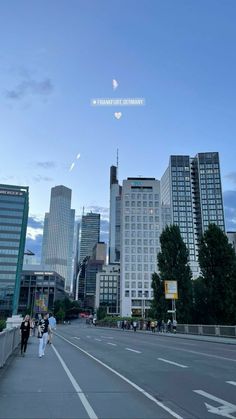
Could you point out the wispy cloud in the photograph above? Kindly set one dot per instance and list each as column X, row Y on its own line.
column 231, row 176
column 46, row 164
column 30, row 87
column 39, row 178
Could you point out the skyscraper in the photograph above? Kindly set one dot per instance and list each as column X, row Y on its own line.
column 191, row 190
column 90, row 233
column 140, row 233
column 14, row 207
column 57, row 248
column 115, row 220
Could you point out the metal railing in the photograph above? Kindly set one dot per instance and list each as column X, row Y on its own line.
column 9, row 340
column 207, row 330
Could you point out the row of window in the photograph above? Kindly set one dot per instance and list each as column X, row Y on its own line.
column 140, row 250
column 139, row 267
column 8, row 276
column 138, row 284
column 139, row 218
column 12, row 220
column 146, row 276
column 9, row 236
column 140, row 242
column 142, row 234
column 142, row 203
column 11, row 268
column 9, row 228
column 127, row 294
column 150, row 211
column 142, row 196
column 140, row 258
column 7, row 259
column 9, row 251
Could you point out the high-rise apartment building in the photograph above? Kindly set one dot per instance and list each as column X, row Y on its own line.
column 57, row 248
column 140, row 234
column 14, row 207
column 191, row 189
column 90, row 233
column 115, row 217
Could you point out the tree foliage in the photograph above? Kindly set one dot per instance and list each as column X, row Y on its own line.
column 66, row 309
column 217, row 284
column 173, row 265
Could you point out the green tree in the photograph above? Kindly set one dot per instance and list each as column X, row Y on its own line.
column 159, row 304
column 217, row 262
column 173, row 266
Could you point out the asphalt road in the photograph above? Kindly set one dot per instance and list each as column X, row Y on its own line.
column 91, row 372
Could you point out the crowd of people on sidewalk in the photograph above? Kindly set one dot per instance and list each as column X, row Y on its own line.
column 159, row 326
column 42, row 327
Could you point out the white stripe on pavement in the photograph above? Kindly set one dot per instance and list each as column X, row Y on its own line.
column 99, row 340
column 77, row 388
column 133, row 350
column 173, row 363
column 140, row 389
column 231, row 382
column 107, row 337
column 75, row 337
column 113, row 344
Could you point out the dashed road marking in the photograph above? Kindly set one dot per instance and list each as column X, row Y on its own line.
column 231, row 382
column 113, row 344
column 225, row 409
column 75, row 337
column 99, row 340
column 172, row 362
column 133, row 350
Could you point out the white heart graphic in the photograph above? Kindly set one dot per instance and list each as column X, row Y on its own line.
column 118, row 115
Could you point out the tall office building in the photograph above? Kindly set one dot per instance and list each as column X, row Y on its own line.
column 57, row 248
column 115, row 220
column 140, row 242
column 90, row 233
column 14, row 207
column 191, row 191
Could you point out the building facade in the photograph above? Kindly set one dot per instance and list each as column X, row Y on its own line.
column 191, row 190
column 108, row 289
column 40, row 289
column 58, row 234
column 90, row 233
column 140, row 242
column 14, row 207
column 232, row 238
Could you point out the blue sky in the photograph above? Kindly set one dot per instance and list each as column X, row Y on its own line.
column 55, row 55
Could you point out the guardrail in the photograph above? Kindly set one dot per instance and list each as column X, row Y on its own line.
column 9, row 340
column 207, row 330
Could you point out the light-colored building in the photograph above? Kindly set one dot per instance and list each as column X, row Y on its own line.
column 191, row 188
column 140, row 242
column 14, row 207
column 57, row 248
column 108, row 288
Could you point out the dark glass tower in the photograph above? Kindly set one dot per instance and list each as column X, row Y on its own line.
column 14, row 208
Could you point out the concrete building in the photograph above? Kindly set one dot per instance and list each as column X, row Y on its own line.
column 39, row 289
column 232, row 238
column 140, row 234
column 108, row 288
column 57, row 248
column 191, row 189
column 115, row 217
column 14, row 207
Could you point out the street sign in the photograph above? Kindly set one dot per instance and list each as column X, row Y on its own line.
column 171, row 290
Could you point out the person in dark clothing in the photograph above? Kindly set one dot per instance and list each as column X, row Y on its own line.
column 25, row 332
column 43, row 328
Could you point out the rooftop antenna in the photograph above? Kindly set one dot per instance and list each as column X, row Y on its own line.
column 117, row 161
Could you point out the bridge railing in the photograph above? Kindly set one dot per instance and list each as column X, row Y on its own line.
column 9, row 340
column 207, row 330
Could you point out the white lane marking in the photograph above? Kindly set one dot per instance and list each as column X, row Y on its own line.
column 172, row 362
column 140, row 389
column 231, row 382
column 203, row 353
column 99, row 340
column 113, row 344
column 77, row 388
column 133, row 350
column 224, row 409
column 107, row 337
column 75, row 337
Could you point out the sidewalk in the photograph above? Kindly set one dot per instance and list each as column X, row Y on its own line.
column 36, row 388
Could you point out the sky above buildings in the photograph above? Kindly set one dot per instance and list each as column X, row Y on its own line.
column 57, row 55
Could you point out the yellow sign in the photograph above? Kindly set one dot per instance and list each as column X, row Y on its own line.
column 171, row 290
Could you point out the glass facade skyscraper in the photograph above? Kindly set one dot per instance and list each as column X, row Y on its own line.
column 191, row 189
column 58, row 234
column 14, row 208
column 90, row 233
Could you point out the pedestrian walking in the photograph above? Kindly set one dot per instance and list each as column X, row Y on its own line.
column 25, row 332
column 134, row 325
column 169, row 326
column 52, row 323
column 174, row 325
column 43, row 334
column 152, row 326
